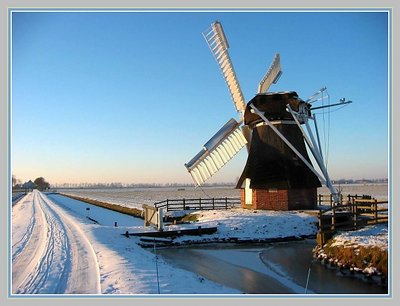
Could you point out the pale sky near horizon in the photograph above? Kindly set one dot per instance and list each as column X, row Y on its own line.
column 131, row 96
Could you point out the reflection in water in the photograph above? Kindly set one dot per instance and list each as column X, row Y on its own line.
column 295, row 259
column 223, row 272
column 282, row 270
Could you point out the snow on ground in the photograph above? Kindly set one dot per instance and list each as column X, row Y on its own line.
column 258, row 224
column 136, row 197
column 49, row 252
column 374, row 235
column 370, row 236
column 122, row 266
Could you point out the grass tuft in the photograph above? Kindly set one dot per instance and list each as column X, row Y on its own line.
column 190, row 218
column 359, row 256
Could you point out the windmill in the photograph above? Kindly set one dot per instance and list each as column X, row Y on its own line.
column 278, row 173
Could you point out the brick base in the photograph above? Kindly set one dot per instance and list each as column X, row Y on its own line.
column 281, row 199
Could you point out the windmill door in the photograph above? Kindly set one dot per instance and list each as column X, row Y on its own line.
column 248, row 193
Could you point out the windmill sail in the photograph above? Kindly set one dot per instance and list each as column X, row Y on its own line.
column 272, row 76
column 218, row 44
column 216, row 152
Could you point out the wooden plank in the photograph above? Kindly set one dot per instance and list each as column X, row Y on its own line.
column 190, row 232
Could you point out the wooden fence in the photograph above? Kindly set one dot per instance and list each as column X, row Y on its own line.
column 359, row 213
column 198, row 204
column 328, row 199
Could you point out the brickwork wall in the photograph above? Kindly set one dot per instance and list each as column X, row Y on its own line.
column 270, row 200
column 281, row 199
column 303, row 199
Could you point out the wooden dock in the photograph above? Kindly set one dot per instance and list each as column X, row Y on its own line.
column 176, row 233
column 360, row 213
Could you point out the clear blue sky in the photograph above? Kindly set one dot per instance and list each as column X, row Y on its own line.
column 132, row 96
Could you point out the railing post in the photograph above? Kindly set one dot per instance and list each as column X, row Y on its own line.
column 356, row 212
column 167, row 205
column 213, row 203
column 375, row 211
column 184, row 205
column 200, row 203
column 333, row 218
column 319, row 200
column 320, row 220
column 226, row 203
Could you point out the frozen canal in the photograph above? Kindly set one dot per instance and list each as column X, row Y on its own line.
column 270, row 269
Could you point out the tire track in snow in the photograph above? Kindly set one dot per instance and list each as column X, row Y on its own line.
column 19, row 245
column 52, row 263
column 32, row 251
column 51, row 271
column 85, row 267
column 65, row 260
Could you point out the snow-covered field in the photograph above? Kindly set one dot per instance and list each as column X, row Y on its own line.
column 136, row 197
column 56, row 249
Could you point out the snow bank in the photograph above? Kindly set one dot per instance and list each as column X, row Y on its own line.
column 370, row 236
column 253, row 225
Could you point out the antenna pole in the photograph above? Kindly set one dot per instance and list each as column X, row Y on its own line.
column 342, row 101
column 316, row 131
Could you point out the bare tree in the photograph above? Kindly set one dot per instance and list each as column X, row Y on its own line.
column 41, row 183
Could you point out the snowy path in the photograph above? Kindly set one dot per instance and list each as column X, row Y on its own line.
column 57, row 250
column 50, row 254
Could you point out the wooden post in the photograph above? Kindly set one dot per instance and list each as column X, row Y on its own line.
column 320, row 220
column 319, row 199
column 167, row 205
column 184, row 205
column 375, row 205
column 331, row 200
column 226, row 203
column 200, row 203
column 146, row 223
column 333, row 219
column 356, row 212
column 320, row 235
column 213, row 203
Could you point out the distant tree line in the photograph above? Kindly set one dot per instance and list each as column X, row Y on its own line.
column 39, row 183
column 360, row 181
column 133, row 185
column 219, row 184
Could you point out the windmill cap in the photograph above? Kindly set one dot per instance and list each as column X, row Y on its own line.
column 273, row 105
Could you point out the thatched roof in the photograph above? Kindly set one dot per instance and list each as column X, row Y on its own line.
column 271, row 163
